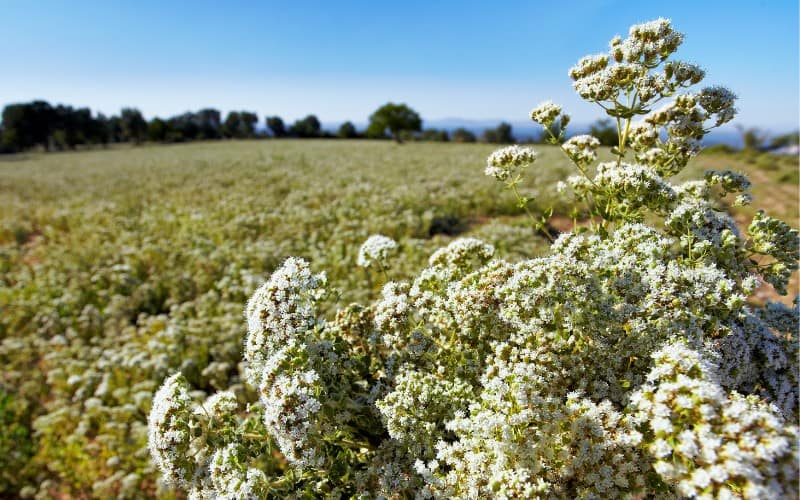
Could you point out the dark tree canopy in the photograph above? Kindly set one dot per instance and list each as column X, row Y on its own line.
column 605, row 132
column 463, row 135
column 28, row 125
column 209, row 123
column 37, row 123
column 134, row 126
column 307, row 127
column 434, row 135
column 780, row 141
column 158, row 130
column 276, row 126
column 347, row 131
column 499, row 135
column 240, row 125
column 394, row 118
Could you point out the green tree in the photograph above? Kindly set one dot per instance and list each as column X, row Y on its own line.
column 134, row 126
column 394, row 118
column 752, row 138
column 248, row 123
column 434, row 135
column 184, row 126
column 463, row 135
column 499, row 135
column 780, row 141
column 158, row 130
column 276, row 126
column 230, row 128
column 307, row 127
column 347, row 131
column 71, row 127
column 28, row 124
column 99, row 130
column 605, row 132
column 209, row 123
column 239, row 125
column 114, row 129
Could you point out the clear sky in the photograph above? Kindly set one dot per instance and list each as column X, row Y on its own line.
column 340, row 60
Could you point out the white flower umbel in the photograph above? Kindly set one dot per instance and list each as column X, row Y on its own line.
column 376, row 250
column 708, row 442
column 546, row 113
column 231, row 479
column 170, row 430
column 506, row 162
column 290, row 404
column 582, row 149
column 281, row 310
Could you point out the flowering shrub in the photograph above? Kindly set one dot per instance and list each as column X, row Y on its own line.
column 625, row 362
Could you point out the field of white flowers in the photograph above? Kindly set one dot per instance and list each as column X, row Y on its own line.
column 120, row 267
column 631, row 357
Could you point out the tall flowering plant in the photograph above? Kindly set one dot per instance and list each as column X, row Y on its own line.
column 624, row 363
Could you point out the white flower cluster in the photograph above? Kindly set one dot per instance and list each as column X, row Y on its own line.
column 648, row 43
column 582, row 149
column 606, row 84
column 376, row 249
column 503, row 163
column 290, row 407
column 546, row 113
column 230, row 480
column 718, row 101
column 683, row 73
column 730, row 182
column 639, row 185
column 170, row 431
column 281, row 310
column 708, row 443
column 391, row 310
column 776, row 239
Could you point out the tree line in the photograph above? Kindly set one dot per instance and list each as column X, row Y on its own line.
column 38, row 124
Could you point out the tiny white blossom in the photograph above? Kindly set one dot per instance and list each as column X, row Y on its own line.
column 377, row 248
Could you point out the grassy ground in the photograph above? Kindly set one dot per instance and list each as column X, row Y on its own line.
column 119, row 267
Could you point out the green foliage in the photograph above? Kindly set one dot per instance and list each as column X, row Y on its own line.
column 394, row 118
column 276, row 126
column 134, row 126
column 463, row 135
column 347, row 131
column 240, row 125
column 157, row 130
column 500, row 135
column 605, row 132
column 28, row 125
column 434, row 135
column 719, row 148
column 752, row 138
column 16, row 443
column 790, row 139
column 307, row 127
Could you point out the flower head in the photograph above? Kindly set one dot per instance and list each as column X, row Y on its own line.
column 376, row 249
column 502, row 163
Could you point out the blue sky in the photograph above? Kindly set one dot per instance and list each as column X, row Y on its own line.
column 341, row 60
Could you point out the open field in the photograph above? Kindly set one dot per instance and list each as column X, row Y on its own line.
column 119, row 267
